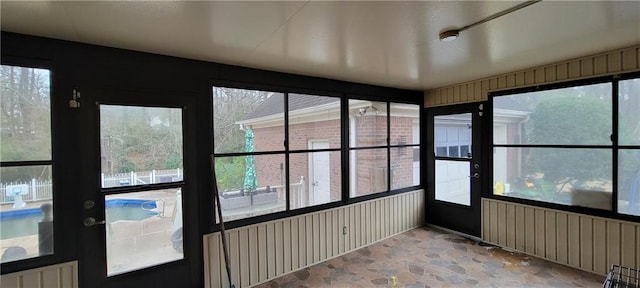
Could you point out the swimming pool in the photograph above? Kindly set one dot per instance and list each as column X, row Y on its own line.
column 24, row 222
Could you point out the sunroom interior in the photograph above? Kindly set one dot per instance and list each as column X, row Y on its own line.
column 134, row 133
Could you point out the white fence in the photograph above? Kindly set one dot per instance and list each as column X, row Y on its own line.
column 141, row 178
column 42, row 190
column 38, row 190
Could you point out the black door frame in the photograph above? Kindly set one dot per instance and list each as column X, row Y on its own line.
column 461, row 218
column 92, row 258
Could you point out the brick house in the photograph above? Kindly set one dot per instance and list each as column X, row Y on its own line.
column 314, row 123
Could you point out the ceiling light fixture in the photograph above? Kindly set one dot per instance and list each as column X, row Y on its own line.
column 452, row 34
column 449, row 35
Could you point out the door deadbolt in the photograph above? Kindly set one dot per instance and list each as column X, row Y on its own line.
column 89, row 204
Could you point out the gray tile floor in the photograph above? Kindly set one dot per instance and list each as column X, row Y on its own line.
column 427, row 257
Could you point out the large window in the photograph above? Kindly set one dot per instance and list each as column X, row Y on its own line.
column 26, row 190
column 384, row 140
column 559, row 145
column 284, row 151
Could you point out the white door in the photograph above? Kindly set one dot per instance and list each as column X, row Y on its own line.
column 319, row 174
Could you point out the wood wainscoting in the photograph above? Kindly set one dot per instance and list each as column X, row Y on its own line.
column 264, row 251
column 582, row 241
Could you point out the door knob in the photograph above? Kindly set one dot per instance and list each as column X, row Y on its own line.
column 475, row 175
column 88, row 222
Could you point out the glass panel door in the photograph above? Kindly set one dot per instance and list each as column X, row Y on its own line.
column 454, row 174
column 141, row 146
column 138, row 159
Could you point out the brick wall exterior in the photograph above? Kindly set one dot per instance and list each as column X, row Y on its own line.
column 371, row 165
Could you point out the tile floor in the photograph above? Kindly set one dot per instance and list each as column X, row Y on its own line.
column 428, row 257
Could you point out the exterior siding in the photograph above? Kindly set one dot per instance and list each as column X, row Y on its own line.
column 285, row 245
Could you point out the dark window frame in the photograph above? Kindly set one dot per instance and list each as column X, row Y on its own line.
column 343, row 97
column 614, row 147
column 61, row 251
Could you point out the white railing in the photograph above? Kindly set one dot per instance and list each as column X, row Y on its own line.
column 40, row 190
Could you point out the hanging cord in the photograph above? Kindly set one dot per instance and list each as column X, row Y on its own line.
column 222, row 232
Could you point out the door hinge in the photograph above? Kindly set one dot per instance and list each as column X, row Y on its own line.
column 75, row 99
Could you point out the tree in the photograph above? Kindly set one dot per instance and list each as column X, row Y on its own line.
column 25, row 121
column 571, row 120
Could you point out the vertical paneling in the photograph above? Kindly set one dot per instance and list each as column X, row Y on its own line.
column 214, row 259
column 581, row 241
column 575, row 256
column 600, row 64
column 264, row 251
column 286, row 234
column 562, row 238
column 510, row 227
column 63, row 275
column 317, row 240
column 493, row 229
column 502, row 224
column 343, row 232
column 628, row 240
column 520, row 229
column 243, row 243
column 614, row 62
column 600, row 246
column 234, row 255
column 539, row 231
column 328, row 231
column 311, row 242
column 586, row 243
column 629, row 59
column 530, row 229
column 295, row 244
column 586, row 67
column 550, row 235
column 562, row 71
column 613, row 243
column 621, row 60
column 550, row 73
column 279, row 249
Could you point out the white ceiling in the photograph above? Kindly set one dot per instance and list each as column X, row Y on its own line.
column 385, row 43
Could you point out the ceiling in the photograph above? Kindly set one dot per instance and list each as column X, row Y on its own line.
column 385, row 43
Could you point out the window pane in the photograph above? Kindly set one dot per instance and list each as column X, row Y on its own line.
column 579, row 177
column 452, row 134
column 629, row 181
column 368, row 122
column 25, row 118
column 570, row 116
column 315, row 178
column 405, row 124
column 140, row 145
column 628, row 116
column 238, row 112
column 143, row 229
column 251, row 185
column 453, row 182
column 368, row 171
column 312, row 118
column 25, row 230
column 405, row 167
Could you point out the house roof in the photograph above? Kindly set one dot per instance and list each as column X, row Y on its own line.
column 275, row 104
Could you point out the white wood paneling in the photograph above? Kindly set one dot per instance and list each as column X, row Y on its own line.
column 286, row 245
column 582, row 241
column 63, row 275
column 608, row 63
